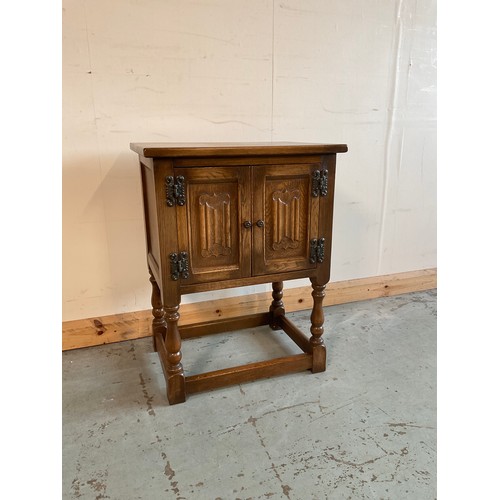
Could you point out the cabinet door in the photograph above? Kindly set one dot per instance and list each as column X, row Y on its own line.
column 283, row 201
column 210, row 223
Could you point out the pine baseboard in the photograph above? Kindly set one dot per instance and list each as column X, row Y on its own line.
column 134, row 325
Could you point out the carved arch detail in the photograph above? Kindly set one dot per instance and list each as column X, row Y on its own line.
column 286, row 219
column 215, row 224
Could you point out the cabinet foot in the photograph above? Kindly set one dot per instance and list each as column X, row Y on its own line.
column 176, row 389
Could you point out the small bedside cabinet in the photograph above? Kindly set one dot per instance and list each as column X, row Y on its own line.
column 221, row 215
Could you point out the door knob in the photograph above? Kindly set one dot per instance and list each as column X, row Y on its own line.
column 260, row 223
column 247, row 224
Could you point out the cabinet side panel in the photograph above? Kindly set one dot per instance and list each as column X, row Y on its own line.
column 151, row 218
column 326, row 218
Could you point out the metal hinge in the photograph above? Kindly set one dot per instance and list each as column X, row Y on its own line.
column 175, row 191
column 179, row 266
column 320, row 183
column 317, row 250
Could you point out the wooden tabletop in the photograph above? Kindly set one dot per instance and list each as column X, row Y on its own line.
column 190, row 149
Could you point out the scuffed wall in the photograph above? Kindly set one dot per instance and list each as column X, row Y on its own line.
column 361, row 72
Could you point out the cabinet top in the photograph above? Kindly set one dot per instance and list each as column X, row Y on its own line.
column 190, row 149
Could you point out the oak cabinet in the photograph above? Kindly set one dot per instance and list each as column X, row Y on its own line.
column 225, row 215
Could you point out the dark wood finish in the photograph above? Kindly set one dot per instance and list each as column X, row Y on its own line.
column 294, row 333
column 290, row 215
column 326, row 218
column 317, row 320
column 248, row 281
column 211, row 149
column 150, row 215
column 277, row 308
column 248, row 373
column 210, row 223
column 175, row 372
column 245, row 161
column 221, row 215
column 224, row 325
column 167, row 233
column 159, row 325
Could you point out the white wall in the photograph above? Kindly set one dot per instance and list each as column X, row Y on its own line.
column 361, row 72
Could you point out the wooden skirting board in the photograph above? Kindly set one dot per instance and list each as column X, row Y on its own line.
column 134, row 325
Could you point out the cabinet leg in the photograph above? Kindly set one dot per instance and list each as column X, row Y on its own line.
column 277, row 307
column 159, row 325
column 317, row 320
column 176, row 391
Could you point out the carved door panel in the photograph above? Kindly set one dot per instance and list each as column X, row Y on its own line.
column 283, row 201
column 210, row 223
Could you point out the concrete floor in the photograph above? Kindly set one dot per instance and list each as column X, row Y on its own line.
column 365, row 428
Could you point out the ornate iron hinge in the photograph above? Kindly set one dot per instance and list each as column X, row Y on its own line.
column 175, row 191
column 317, row 250
column 320, row 183
column 179, row 265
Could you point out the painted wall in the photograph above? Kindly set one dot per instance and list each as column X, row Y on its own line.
column 361, row 72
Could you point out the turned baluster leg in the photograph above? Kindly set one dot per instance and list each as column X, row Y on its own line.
column 159, row 326
column 277, row 307
column 176, row 391
column 317, row 320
